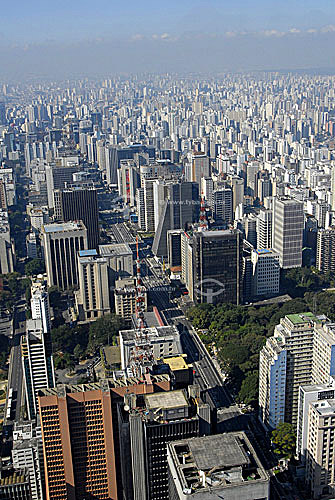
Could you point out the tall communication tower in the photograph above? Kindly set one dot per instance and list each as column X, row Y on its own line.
column 142, row 356
column 203, row 224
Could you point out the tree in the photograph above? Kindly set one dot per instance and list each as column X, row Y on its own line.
column 103, row 330
column 34, row 267
column 249, row 389
column 54, row 296
column 78, row 352
column 284, row 439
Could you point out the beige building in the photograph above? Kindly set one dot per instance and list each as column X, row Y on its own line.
column 125, row 298
column 61, row 242
column 93, row 296
column 119, row 257
column 320, row 452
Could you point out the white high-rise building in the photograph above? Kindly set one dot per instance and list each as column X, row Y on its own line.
column 27, row 454
column 39, row 302
column 264, row 229
column 37, row 363
column 61, row 243
column 265, row 272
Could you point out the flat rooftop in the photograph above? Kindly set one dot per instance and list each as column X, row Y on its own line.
column 63, row 226
column 306, row 317
column 87, row 253
column 166, row 400
column 154, row 333
column 222, row 450
column 115, row 249
column 176, row 363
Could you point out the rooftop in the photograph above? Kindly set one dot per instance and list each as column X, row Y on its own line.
column 223, row 450
column 115, row 249
column 176, row 363
column 306, row 317
column 63, row 226
column 166, row 400
column 87, row 253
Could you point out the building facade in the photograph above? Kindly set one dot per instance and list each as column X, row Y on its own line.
column 61, row 242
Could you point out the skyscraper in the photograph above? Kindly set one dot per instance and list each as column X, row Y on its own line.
column 223, row 204
column 92, row 298
column 179, row 206
column 39, row 302
column 264, row 229
column 80, row 203
column 38, row 369
column 198, row 167
column 287, row 231
column 2, row 113
column 325, row 251
column 301, row 352
column 61, row 242
column 80, row 437
column 217, row 266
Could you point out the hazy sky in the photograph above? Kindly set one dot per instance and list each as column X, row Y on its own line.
column 60, row 38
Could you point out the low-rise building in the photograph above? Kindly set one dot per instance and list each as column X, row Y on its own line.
column 222, row 466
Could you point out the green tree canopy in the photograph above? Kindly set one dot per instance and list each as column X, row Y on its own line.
column 284, row 440
column 103, row 330
column 249, row 388
column 34, row 267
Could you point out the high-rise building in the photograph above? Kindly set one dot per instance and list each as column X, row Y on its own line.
column 325, row 250
column 116, row 154
column 223, row 204
column 39, row 302
column 119, row 258
column 161, row 418
column 216, row 266
column 237, row 184
column 7, row 255
column 37, row 362
column 57, row 175
column 128, row 181
column 301, row 352
column 179, row 206
column 206, row 190
column 264, row 228
column 164, row 340
column 198, row 167
column 140, row 207
column 2, row 113
column 93, row 296
column 80, row 203
column 80, row 437
column 320, row 449
column 125, row 298
column 308, row 394
column 265, row 272
column 223, row 464
column 61, row 242
column 14, row 485
column 174, row 238
column 148, row 191
column 287, row 231
column 27, row 454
